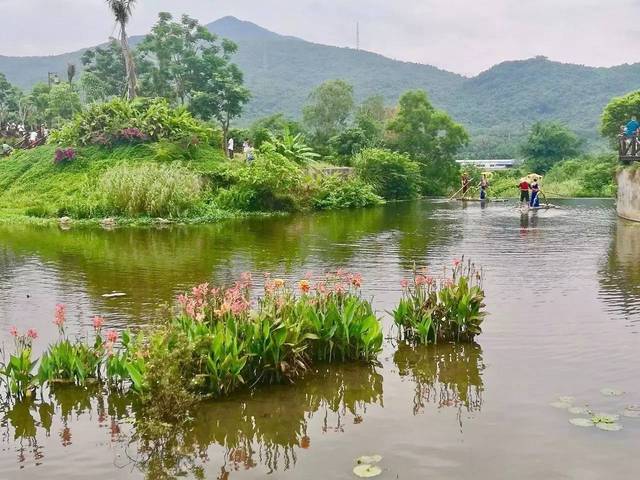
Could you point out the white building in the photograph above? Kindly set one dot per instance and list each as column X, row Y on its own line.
column 490, row 164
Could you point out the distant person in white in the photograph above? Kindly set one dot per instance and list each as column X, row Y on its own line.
column 33, row 137
column 230, row 147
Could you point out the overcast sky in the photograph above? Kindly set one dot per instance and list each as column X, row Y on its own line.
column 459, row 35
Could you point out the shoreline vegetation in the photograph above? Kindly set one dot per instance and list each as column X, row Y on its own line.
column 218, row 340
column 145, row 136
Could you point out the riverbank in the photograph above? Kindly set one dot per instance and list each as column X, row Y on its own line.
column 161, row 183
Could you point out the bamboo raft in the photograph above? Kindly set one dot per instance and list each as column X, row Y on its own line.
column 496, row 200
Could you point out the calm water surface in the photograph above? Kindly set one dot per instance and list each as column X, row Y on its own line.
column 563, row 292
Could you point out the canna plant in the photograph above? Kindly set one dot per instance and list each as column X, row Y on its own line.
column 18, row 372
column 449, row 309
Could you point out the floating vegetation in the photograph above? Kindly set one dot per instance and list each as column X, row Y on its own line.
column 579, row 411
column 560, row 405
column 581, row 422
column 567, row 399
column 605, row 418
column 632, row 412
column 609, row 427
column 366, row 459
column 367, row 471
column 611, row 392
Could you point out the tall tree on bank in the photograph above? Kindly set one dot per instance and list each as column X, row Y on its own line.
column 430, row 137
column 328, row 111
column 547, row 144
column 122, row 10
column 185, row 63
column 104, row 73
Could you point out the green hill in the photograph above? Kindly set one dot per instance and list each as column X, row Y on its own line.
column 282, row 70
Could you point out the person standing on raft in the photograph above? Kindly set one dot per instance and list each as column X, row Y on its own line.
column 464, row 180
column 484, row 185
column 535, row 195
column 524, row 191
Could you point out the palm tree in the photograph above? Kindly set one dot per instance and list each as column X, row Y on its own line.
column 122, row 12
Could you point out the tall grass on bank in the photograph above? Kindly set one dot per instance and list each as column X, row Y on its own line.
column 148, row 189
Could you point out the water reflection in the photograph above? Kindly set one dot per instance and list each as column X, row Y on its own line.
column 152, row 265
column 620, row 275
column 444, row 375
column 268, row 428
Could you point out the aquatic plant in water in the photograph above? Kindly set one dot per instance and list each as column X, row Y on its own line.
column 436, row 309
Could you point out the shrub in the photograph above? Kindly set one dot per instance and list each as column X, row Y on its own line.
column 393, row 175
column 338, row 192
column 437, row 310
column 148, row 189
column 271, row 182
column 120, row 122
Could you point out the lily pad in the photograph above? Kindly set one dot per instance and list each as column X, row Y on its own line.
column 368, row 459
column 579, row 410
column 567, row 399
column 581, row 422
column 605, row 418
column 367, row 471
column 633, row 408
column 611, row 392
column 631, row 413
column 609, row 427
column 561, row 405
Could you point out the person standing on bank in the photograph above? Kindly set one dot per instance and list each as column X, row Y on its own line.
column 230, row 146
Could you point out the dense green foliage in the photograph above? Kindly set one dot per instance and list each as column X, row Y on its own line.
column 328, row 110
column 618, row 112
column 394, row 175
column 430, row 137
column 587, row 176
column 119, row 121
column 547, row 144
column 335, row 193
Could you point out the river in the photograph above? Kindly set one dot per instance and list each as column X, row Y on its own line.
column 563, row 296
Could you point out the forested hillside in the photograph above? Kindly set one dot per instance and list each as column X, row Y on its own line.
column 499, row 103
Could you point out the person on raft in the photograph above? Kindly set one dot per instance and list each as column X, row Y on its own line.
column 535, row 195
column 464, row 180
column 524, row 191
column 484, row 185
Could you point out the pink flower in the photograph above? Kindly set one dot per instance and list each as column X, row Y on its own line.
column 13, row 331
column 112, row 336
column 59, row 318
column 420, row 280
column 304, row 286
column 456, row 262
column 404, row 283
column 98, row 322
column 32, row 333
column 356, row 280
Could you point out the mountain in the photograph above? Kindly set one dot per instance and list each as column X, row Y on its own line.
column 282, row 70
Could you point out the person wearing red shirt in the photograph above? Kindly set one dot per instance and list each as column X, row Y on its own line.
column 524, row 191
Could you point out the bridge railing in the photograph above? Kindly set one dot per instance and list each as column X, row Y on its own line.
column 629, row 148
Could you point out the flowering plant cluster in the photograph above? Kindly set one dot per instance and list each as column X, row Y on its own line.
column 64, row 155
column 133, row 134
column 442, row 308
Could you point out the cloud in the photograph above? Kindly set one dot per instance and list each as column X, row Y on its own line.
column 459, row 35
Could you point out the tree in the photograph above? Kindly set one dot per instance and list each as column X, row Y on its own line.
column 122, row 10
column 37, row 103
column 547, row 144
column 263, row 129
column 9, row 98
column 430, row 137
column 328, row 110
column 71, row 72
column 104, row 72
column 175, row 57
column 64, row 103
column 221, row 97
column 184, row 62
column 371, row 118
column 618, row 113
